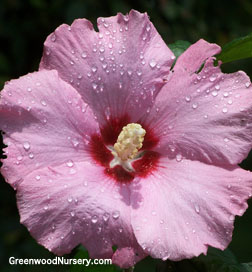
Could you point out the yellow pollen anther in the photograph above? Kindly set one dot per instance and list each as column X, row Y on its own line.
column 129, row 141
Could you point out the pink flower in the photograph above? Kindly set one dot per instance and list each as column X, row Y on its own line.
column 169, row 185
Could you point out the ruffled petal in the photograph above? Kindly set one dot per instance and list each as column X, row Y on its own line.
column 118, row 70
column 187, row 206
column 45, row 122
column 73, row 204
column 204, row 116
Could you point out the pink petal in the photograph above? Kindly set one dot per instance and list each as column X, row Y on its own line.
column 46, row 123
column 73, row 204
column 191, row 60
column 205, row 116
column 118, row 70
column 188, row 206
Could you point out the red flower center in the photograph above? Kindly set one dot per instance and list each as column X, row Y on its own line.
column 103, row 156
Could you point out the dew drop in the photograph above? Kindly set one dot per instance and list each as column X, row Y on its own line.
column 116, row 214
column 45, row 207
column 70, row 163
column 75, row 142
column 139, row 73
column 224, row 110
column 53, row 38
column 19, row 158
column 105, row 217
column 152, row 63
column 43, row 103
column 194, row 106
column 197, row 208
column 94, row 69
column 94, row 219
column 72, row 214
column 188, row 98
column 178, row 157
column 84, row 55
column 212, row 78
column 129, row 72
column 94, row 86
column 247, row 84
column 214, row 93
column 26, row 146
column 31, row 156
column 69, row 199
column 37, row 177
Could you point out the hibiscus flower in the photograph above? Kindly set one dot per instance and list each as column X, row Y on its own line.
column 109, row 146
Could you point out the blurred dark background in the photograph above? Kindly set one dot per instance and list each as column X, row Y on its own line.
column 25, row 24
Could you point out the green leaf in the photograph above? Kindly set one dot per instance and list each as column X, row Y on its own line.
column 237, row 49
column 220, row 261
column 179, row 47
column 83, row 254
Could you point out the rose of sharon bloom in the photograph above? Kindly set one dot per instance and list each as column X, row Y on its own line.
column 107, row 146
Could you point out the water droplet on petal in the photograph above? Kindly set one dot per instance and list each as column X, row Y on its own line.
column 105, row 217
column 94, row 69
column 19, row 158
column 197, row 208
column 224, row 110
column 70, row 163
column 214, row 93
column 188, row 98
column 53, row 38
column 94, row 85
column 116, row 214
column 195, row 106
column 152, row 63
column 26, row 146
column 84, row 55
column 94, row 219
column 178, row 157
column 43, row 103
column 212, row 78
column 72, row 214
